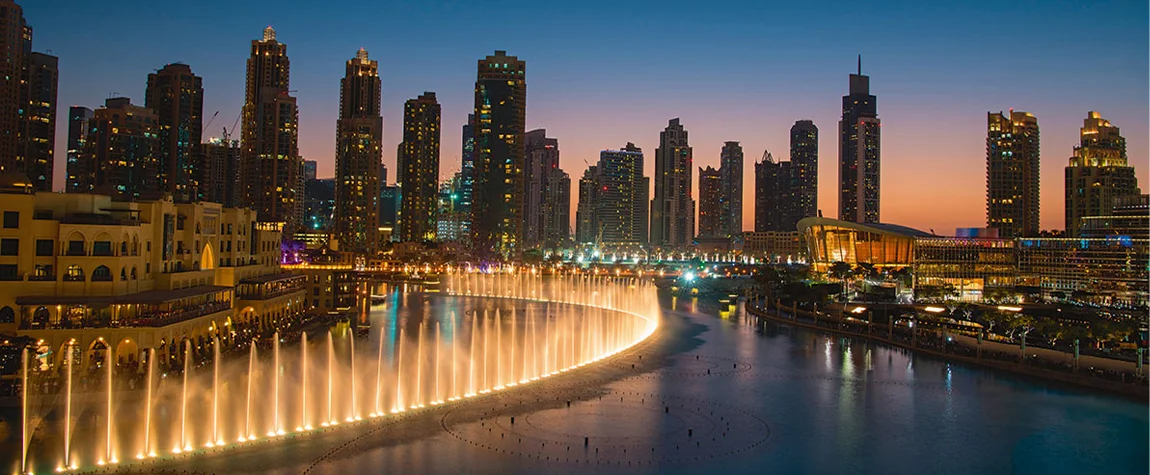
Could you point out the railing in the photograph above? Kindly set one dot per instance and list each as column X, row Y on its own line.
column 150, row 319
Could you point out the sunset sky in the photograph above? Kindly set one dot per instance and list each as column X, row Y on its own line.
column 602, row 73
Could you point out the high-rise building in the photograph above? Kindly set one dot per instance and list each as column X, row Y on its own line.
column 27, row 101
column 500, row 124
column 319, row 205
column 1012, row 159
column 547, row 199
column 311, row 170
column 39, row 134
column 176, row 96
column 776, row 205
column 80, row 168
column 125, row 149
column 1098, row 173
column 805, row 166
column 270, row 157
column 358, row 156
column 731, row 186
column 859, row 153
column 613, row 200
column 586, row 219
column 418, row 178
column 673, row 209
column 218, row 172
column 556, row 209
column 711, row 203
column 467, row 175
column 448, row 215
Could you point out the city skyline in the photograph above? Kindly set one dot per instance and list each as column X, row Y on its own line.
column 916, row 86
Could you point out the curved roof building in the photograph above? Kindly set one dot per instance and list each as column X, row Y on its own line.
column 883, row 245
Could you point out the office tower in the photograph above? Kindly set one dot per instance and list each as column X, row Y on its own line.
column 319, row 205
column 27, row 101
column 498, row 187
column 711, row 203
column 217, row 172
column 805, row 166
column 613, row 199
column 548, row 193
column 358, row 156
column 449, row 216
column 859, row 153
column 731, row 186
column 1098, row 173
column 176, row 96
column 39, row 134
column 467, row 176
column 776, row 200
column 673, row 209
column 418, row 177
column 270, row 135
column 124, row 150
column 311, row 170
column 80, row 168
column 1012, row 161
column 388, row 206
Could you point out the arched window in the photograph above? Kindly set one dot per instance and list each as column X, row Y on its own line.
column 7, row 315
column 75, row 273
column 123, row 274
column 101, row 274
column 133, row 273
column 123, row 248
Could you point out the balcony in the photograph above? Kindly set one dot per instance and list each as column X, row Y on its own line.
column 153, row 308
column 271, row 286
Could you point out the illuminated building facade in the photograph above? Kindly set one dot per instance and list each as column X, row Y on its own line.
column 418, row 178
column 124, row 150
column 1130, row 216
column 79, row 166
column 358, row 154
column 1098, row 173
column 780, row 247
column 547, row 202
column 673, row 209
column 586, row 221
column 1012, row 163
column 498, row 186
column 710, row 203
column 28, row 83
column 217, row 171
column 882, row 245
column 613, row 199
column 138, row 275
column 467, row 173
column 859, row 153
column 972, row 266
column 176, row 96
column 776, row 207
column 731, row 198
column 449, row 216
column 270, row 137
column 1111, row 270
column 805, row 169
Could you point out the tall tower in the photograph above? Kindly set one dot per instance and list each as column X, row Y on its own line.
column 467, row 177
column 124, row 150
column 731, row 170
column 859, row 153
column 586, row 213
column 711, row 197
column 1098, row 173
column 270, row 137
column 541, row 154
column 621, row 197
column 27, row 101
column 80, row 168
column 1012, row 161
column 805, row 166
column 673, row 209
column 418, row 177
column 177, row 97
column 358, row 154
column 500, row 124
column 775, row 205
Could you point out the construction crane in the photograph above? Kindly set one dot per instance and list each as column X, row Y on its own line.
column 234, row 124
column 210, row 121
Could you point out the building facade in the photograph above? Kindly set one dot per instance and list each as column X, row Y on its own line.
column 218, row 172
column 498, row 186
column 358, row 155
column 1098, row 174
column 418, row 177
column 776, row 208
column 39, row 133
column 859, row 153
column 548, row 194
column 971, row 266
column 731, row 206
column 28, row 83
column 124, row 148
column 80, row 169
column 805, row 167
column 711, row 203
column 1012, row 179
column 673, row 208
column 777, row 247
column 1110, row 271
column 613, row 200
column 176, row 96
column 270, row 136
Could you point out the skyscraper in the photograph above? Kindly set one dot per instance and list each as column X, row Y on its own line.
column 358, row 155
column 586, row 221
column 776, row 206
column 859, row 148
column 177, row 98
column 217, row 172
column 673, row 209
column 418, row 178
column 311, row 170
column 547, row 199
column 1012, row 159
column 805, row 166
column 556, row 209
column 467, row 176
column 1098, row 173
column 711, row 197
column 270, row 156
column 27, row 101
column 124, row 149
column 613, row 199
column 731, row 206
column 80, row 168
column 500, row 124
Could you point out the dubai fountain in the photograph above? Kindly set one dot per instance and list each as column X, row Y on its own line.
column 289, row 389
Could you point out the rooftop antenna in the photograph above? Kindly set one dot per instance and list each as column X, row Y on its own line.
column 860, row 64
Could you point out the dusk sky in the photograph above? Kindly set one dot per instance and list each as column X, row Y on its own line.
column 602, row 73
